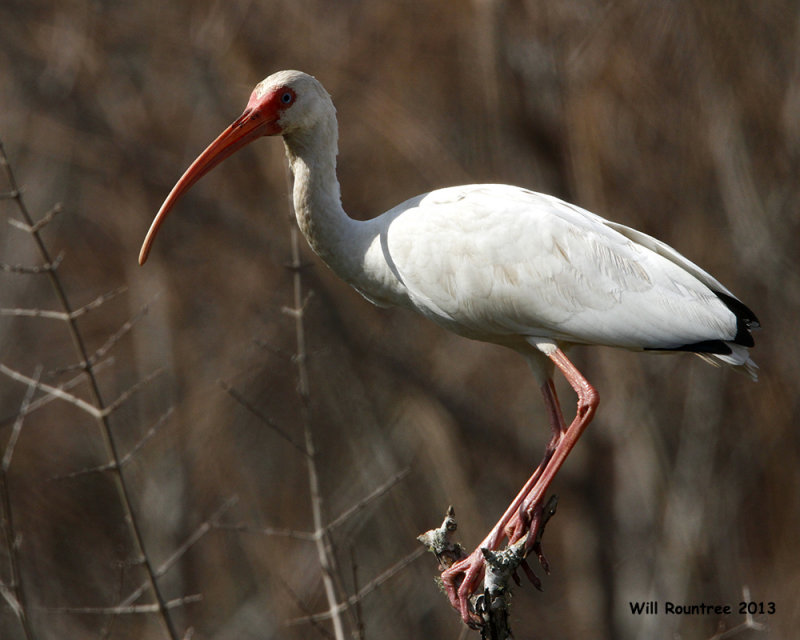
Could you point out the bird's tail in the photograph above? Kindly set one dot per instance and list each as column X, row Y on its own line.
column 739, row 359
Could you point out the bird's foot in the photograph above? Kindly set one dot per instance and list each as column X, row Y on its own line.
column 530, row 522
column 461, row 581
column 462, row 576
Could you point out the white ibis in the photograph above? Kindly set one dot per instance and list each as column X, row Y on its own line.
column 494, row 263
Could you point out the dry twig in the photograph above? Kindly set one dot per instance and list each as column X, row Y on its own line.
column 14, row 593
column 97, row 406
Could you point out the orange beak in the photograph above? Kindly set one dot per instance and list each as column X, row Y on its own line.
column 252, row 124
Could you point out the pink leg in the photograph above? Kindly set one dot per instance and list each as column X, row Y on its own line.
column 463, row 578
column 557, row 429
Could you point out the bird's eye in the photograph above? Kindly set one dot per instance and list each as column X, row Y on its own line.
column 287, row 98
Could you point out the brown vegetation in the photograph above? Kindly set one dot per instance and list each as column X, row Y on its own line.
column 679, row 118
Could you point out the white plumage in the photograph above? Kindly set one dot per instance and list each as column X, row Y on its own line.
column 499, row 263
column 494, row 263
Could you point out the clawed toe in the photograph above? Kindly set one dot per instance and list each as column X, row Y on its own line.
column 461, row 581
column 462, row 576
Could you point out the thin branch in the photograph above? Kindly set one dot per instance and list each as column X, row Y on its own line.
column 390, row 573
column 105, row 631
column 269, row 422
column 69, row 384
column 368, row 588
column 113, row 340
column 359, row 632
column 53, row 391
column 269, row 531
column 89, row 408
column 24, row 270
column 29, row 227
column 300, row 605
column 69, row 315
column 196, row 536
column 281, row 353
column 97, row 397
column 204, row 527
column 13, row 602
column 35, row 313
column 313, row 536
column 364, row 502
column 14, row 593
column 129, row 608
column 747, row 625
column 127, row 457
column 17, row 428
column 123, row 397
column 326, row 559
column 749, row 622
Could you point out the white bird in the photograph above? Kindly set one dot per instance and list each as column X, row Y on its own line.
column 494, row 263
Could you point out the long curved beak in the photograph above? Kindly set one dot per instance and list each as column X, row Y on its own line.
column 249, row 126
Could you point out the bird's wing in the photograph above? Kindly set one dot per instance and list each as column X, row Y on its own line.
column 492, row 260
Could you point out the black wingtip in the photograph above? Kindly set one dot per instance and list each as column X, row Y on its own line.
column 716, row 347
column 746, row 320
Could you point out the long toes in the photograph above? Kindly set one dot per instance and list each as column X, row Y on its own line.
column 531, row 575
column 461, row 581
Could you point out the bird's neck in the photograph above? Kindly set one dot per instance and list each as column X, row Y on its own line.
column 346, row 245
column 316, row 194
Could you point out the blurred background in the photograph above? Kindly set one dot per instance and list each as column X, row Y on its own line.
column 679, row 118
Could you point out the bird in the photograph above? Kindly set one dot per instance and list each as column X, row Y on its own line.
column 494, row 263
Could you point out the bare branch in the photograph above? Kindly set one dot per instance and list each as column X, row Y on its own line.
column 113, row 340
column 78, row 402
column 35, row 313
column 359, row 631
column 492, row 605
column 368, row 588
column 97, row 407
column 53, row 391
column 282, row 353
column 364, row 502
column 750, row 623
column 65, row 315
column 300, row 605
column 269, row 422
column 128, row 608
column 440, row 541
column 127, row 457
column 298, row 311
column 108, row 627
column 14, row 593
column 97, row 302
column 193, row 539
column 269, row 531
column 23, row 270
column 17, row 428
column 11, row 600
column 327, row 560
column 69, row 384
column 126, row 395
column 387, row 575
column 40, row 224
